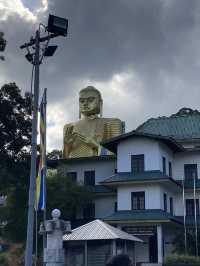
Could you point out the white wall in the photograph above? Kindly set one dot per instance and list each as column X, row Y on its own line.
column 152, row 196
column 103, row 168
column 139, row 145
column 104, row 206
column 185, row 158
column 153, row 152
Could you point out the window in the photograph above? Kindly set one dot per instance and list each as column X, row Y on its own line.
column 137, row 163
column 138, row 200
column 89, row 211
column 164, row 165
column 170, row 169
column 190, row 170
column 115, row 206
column 190, row 208
column 165, row 201
column 171, row 206
column 72, row 176
column 89, row 178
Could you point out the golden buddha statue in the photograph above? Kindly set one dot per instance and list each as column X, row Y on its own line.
column 83, row 138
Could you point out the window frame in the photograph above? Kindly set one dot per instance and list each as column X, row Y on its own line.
column 164, row 164
column 165, row 202
column 92, row 177
column 188, row 172
column 72, row 178
column 138, row 158
column 138, row 195
column 171, row 205
column 170, row 168
column 191, row 212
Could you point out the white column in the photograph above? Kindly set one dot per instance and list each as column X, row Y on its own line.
column 160, row 243
column 114, row 247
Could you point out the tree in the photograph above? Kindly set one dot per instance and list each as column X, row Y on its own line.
column 54, row 155
column 66, row 195
column 15, row 140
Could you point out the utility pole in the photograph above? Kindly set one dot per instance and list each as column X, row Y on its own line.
column 56, row 27
column 29, row 237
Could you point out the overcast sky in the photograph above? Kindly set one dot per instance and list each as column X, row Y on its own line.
column 143, row 55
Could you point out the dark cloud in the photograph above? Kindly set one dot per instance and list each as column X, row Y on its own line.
column 157, row 42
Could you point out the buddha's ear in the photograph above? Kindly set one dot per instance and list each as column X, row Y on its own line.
column 79, row 115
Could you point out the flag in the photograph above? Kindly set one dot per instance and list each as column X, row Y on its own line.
column 40, row 179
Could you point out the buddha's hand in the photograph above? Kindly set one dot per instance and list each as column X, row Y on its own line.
column 87, row 140
column 69, row 136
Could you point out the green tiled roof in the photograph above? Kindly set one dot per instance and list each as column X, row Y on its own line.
column 183, row 125
column 155, row 175
column 101, row 189
column 142, row 215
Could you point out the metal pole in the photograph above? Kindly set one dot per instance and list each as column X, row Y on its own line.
column 195, row 215
column 29, row 239
column 184, row 216
column 45, row 167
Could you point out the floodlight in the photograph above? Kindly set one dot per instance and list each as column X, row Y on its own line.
column 29, row 57
column 57, row 25
column 2, row 42
column 50, row 50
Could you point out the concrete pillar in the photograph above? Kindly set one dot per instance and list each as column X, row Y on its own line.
column 114, row 247
column 160, row 243
column 54, row 230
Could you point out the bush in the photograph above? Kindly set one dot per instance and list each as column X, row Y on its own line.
column 3, row 259
column 182, row 259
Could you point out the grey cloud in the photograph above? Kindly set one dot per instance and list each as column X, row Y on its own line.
column 156, row 39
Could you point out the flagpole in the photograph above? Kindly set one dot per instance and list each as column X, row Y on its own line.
column 45, row 166
column 195, row 215
column 184, row 216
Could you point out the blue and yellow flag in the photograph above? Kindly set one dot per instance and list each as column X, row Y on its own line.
column 40, row 179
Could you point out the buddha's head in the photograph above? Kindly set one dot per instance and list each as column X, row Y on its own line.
column 90, row 102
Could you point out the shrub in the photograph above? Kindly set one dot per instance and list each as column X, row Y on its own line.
column 182, row 259
column 3, row 259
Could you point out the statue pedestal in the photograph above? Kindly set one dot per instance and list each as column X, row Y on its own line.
column 54, row 229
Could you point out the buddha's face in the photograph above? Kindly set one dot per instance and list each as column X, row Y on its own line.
column 89, row 103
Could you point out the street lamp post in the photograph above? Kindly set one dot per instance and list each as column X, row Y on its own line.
column 56, row 27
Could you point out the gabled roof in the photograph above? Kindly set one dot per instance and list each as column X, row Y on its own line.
column 136, row 216
column 111, row 144
column 97, row 230
column 181, row 126
column 124, row 177
column 54, row 163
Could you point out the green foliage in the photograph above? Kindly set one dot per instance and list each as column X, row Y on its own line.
column 54, row 155
column 15, row 140
column 182, row 259
column 3, row 259
column 66, row 195
column 179, row 241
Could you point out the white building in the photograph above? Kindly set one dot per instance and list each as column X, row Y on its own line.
column 140, row 188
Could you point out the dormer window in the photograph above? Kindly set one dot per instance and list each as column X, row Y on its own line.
column 137, row 163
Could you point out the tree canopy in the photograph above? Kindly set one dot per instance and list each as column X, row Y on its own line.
column 15, row 140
